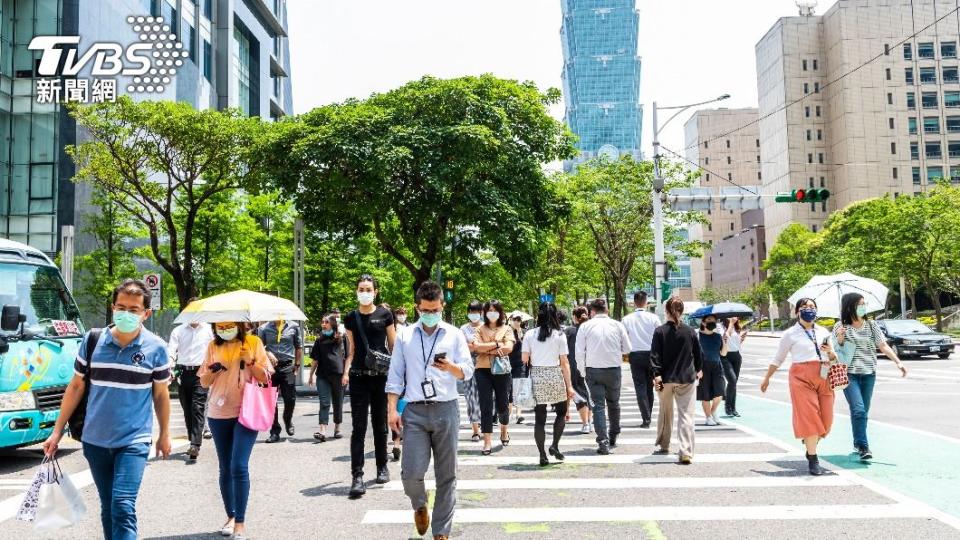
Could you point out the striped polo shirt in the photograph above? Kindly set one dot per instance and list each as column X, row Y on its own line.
column 866, row 340
column 120, row 404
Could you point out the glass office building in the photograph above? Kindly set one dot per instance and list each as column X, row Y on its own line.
column 601, row 76
column 238, row 57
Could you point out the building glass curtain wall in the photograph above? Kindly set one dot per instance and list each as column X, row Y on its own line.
column 601, row 75
column 241, row 70
column 28, row 130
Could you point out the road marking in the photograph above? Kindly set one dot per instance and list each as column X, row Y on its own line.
column 571, row 428
column 639, row 442
column 641, row 483
column 472, row 460
column 665, row 513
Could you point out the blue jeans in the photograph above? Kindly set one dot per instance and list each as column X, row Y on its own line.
column 117, row 472
column 858, row 394
column 234, row 443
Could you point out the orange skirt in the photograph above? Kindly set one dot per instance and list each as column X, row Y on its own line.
column 812, row 401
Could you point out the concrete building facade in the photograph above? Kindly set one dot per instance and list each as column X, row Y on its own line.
column 833, row 116
column 725, row 145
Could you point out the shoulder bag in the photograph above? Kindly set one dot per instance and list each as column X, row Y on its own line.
column 259, row 401
column 500, row 365
column 76, row 420
column 375, row 360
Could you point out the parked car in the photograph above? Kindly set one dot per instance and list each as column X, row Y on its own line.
column 909, row 337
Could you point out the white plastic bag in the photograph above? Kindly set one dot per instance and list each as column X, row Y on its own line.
column 45, row 474
column 60, row 504
column 523, row 393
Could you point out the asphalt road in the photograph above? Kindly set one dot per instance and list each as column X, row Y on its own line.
column 748, row 479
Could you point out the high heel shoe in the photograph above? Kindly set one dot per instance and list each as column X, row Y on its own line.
column 555, row 452
column 506, row 441
column 543, row 460
column 486, row 451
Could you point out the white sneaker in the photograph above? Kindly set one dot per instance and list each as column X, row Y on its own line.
column 716, row 420
column 585, row 428
column 711, row 421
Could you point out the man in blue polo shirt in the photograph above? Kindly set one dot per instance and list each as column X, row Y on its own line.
column 128, row 370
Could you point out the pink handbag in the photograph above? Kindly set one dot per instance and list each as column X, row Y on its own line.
column 257, row 407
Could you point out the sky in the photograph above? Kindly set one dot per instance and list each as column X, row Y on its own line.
column 692, row 50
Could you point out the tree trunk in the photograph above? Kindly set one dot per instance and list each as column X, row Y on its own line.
column 421, row 276
column 620, row 292
column 937, row 308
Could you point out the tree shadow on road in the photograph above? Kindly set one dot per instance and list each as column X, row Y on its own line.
column 337, row 489
column 22, row 459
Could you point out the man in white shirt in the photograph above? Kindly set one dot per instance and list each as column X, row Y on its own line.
column 428, row 359
column 640, row 326
column 602, row 343
column 187, row 349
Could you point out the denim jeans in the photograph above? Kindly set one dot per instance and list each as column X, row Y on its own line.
column 117, row 472
column 858, row 394
column 234, row 443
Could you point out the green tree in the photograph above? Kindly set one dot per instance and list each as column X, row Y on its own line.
column 157, row 159
column 425, row 163
column 788, row 262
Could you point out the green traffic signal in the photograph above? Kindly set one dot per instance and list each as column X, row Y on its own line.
column 812, row 195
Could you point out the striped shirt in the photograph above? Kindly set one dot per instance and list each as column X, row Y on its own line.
column 866, row 340
column 120, row 404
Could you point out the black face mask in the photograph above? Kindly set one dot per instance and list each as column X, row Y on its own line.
column 710, row 326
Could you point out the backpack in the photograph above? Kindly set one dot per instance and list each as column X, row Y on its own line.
column 79, row 415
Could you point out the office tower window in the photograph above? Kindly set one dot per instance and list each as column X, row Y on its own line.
column 894, row 173
column 816, row 88
column 907, row 51
column 706, row 144
column 728, row 143
column 758, row 158
column 728, row 160
column 241, row 70
column 911, row 100
column 758, row 143
column 912, row 125
column 706, row 160
column 925, row 50
column 809, row 158
column 893, row 148
column 953, row 124
column 207, row 61
column 814, row 64
column 821, row 181
column 932, row 150
column 811, row 181
column 951, row 99
column 730, row 176
column 169, row 14
column 931, row 124
column 190, row 40
column 804, row 65
column 950, row 74
column 928, row 75
column 934, row 174
column 820, row 134
column 908, row 75
column 759, row 176
column 806, row 111
column 208, row 9
column 953, row 149
column 888, row 74
column 948, row 49
column 809, row 135
column 955, row 174
column 806, row 88
column 914, row 151
column 916, row 176
column 708, row 177
column 928, row 100
column 818, row 111
column 813, row 228
column 820, row 158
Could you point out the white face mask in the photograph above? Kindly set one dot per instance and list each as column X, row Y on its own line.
column 401, row 319
column 365, row 298
column 474, row 317
column 228, row 334
column 493, row 316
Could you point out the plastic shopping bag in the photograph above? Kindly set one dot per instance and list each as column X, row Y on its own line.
column 45, row 474
column 523, row 393
column 60, row 504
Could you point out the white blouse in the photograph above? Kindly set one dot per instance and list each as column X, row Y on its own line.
column 798, row 343
column 545, row 353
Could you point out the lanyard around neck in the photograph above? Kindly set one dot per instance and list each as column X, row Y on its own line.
column 426, row 356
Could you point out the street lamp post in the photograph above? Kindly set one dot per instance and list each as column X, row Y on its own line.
column 659, row 255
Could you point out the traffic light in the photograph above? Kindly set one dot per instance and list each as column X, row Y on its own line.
column 665, row 290
column 448, row 291
column 812, row 195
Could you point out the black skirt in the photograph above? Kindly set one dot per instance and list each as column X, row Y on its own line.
column 712, row 384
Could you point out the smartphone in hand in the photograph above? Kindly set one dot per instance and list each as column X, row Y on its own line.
column 439, row 359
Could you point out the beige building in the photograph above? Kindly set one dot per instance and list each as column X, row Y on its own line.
column 737, row 258
column 725, row 144
column 890, row 126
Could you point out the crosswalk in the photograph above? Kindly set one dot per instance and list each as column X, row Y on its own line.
column 737, row 476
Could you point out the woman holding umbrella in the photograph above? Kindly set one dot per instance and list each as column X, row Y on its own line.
column 811, row 397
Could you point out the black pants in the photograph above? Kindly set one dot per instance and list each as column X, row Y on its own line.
column 492, row 387
column 642, row 372
column 286, row 384
column 731, row 372
column 193, row 401
column 368, row 393
column 560, row 422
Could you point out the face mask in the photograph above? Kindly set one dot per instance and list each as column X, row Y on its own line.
column 328, row 333
column 365, row 298
column 711, row 326
column 429, row 320
column 861, row 311
column 228, row 335
column 493, row 316
column 126, row 322
column 808, row 314
column 474, row 317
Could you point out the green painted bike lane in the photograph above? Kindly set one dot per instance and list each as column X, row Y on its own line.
column 922, row 467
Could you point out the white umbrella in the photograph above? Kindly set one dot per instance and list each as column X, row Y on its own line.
column 827, row 291
column 240, row 306
column 523, row 316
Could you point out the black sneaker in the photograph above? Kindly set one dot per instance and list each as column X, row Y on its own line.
column 383, row 475
column 645, row 425
column 613, row 440
column 273, row 438
column 865, row 454
column 291, row 430
column 193, row 452
column 396, row 453
column 661, row 452
column 357, row 487
column 603, row 449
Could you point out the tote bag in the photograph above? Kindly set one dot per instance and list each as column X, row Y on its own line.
column 257, row 407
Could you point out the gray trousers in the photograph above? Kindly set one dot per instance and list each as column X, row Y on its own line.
column 431, row 429
column 604, row 385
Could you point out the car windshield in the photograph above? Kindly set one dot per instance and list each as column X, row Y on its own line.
column 41, row 295
column 907, row 327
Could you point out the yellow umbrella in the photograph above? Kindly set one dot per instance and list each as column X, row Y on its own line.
column 240, row 306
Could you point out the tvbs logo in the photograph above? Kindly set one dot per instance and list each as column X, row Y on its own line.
column 150, row 61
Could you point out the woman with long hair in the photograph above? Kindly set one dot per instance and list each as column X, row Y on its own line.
column 544, row 350
column 370, row 336
column 579, row 315
column 811, row 397
column 493, row 345
column 327, row 370
column 858, row 339
column 735, row 335
column 233, row 358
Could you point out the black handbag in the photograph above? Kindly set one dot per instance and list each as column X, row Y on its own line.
column 375, row 360
column 76, row 420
